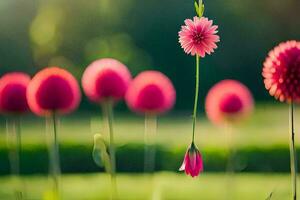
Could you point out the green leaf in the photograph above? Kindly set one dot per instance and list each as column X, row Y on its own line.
column 100, row 155
column 202, row 10
column 196, row 8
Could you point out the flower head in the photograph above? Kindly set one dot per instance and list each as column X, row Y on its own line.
column 198, row 36
column 228, row 101
column 192, row 163
column 281, row 71
column 106, row 79
column 151, row 91
column 13, row 88
column 53, row 89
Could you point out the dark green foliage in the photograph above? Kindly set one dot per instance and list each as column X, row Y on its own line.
column 78, row 158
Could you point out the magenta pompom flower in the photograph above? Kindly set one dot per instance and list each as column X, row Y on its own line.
column 106, row 79
column 228, row 101
column 151, row 92
column 13, row 88
column 281, row 71
column 198, row 36
column 13, row 101
column 53, row 89
column 192, row 163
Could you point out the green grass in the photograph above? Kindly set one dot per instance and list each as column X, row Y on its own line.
column 267, row 126
column 164, row 186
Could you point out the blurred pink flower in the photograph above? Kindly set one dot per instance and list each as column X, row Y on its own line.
column 53, row 89
column 281, row 71
column 13, row 88
column 151, row 91
column 104, row 79
column 192, row 163
column 228, row 101
column 198, row 36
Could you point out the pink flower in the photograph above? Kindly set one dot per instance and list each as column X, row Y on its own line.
column 192, row 163
column 281, row 72
column 228, row 101
column 151, row 91
column 106, row 79
column 198, row 36
column 13, row 88
column 53, row 89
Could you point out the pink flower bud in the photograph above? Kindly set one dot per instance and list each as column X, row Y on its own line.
column 13, row 88
column 105, row 79
column 151, row 91
column 53, row 89
column 192, row 163
column 228, row 101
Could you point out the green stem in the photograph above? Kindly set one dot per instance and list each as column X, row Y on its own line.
column 196, row 97
column 14, row 144
column 54, row 160
column 109, row 112
column 149, row 139
column 293, row 156
column 231, row 151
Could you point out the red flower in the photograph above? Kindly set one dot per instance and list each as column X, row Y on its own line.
column 13, row 88
column 105, row 78
column 192, row 163
column 53, row 89
column 151, row 91
column 228, row 101
column 281, row 71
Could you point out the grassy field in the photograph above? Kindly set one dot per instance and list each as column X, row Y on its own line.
column 267, row 126
column 162, row 186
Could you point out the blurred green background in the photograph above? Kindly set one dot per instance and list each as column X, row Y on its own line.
column 143, row 35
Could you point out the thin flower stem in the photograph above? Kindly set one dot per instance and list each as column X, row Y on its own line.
column 149, row 139
column 230, row 162
column 196, row 97
column 109, row 115
column 293, row 155
column 231, row 150
column 14, row 144
column 54, row 161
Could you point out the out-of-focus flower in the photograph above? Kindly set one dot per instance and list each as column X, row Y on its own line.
column 53, row 89
column 228, row 101
column 151, row 92
column 198, row 36
column 192, row 163
column 106, row 79
column 13, row 88
column 281, row 72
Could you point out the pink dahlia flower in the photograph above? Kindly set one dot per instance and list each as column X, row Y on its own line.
column 198, row 36
column 151, row 92
column 53, row 89
column 281, row 72
column 228, row 101
column 106, row 79
column 13, row 88
column 192, row 163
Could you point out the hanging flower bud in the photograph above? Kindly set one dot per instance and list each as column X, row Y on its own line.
column 192, row 163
